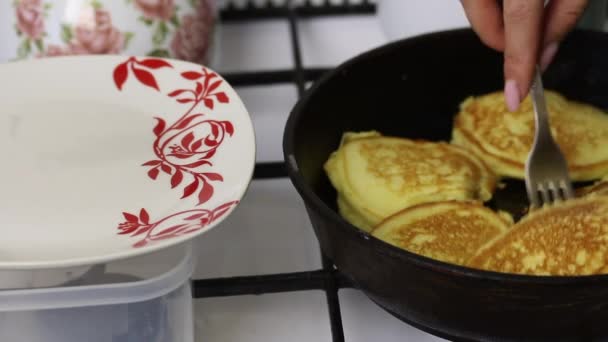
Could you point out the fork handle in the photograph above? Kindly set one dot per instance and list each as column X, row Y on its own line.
column 541, row 116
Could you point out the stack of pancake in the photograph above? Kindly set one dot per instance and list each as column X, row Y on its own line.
column 428, row 197
column 377, row 176
column 503, row 139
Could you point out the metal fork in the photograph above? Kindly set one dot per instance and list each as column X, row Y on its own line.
column 547, row 179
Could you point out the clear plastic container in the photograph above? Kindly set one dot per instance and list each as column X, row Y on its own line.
column 144, row 299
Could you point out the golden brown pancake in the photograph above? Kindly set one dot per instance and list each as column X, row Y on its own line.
column 503, row 139
column 448, row 231
column 376, row 176
column 567, row 239
column 598, row 188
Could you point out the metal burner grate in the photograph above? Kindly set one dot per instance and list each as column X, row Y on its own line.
column 328, row 278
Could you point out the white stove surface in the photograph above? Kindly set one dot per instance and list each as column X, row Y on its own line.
column 270, row 232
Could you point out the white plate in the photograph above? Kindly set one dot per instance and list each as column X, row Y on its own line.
column 108, row 157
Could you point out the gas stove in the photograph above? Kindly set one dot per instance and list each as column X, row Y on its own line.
column 261, row 276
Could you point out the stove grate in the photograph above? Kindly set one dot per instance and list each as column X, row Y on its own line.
column 327, row 279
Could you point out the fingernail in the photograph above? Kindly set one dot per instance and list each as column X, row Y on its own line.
column 512, row 97
column 547, row 56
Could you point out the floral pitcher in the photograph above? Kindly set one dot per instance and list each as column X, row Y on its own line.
column 181, row 29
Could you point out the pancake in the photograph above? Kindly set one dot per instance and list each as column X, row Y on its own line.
column 376, row 176
column 598, row 188
column 447, row 231
column 350, row 214
column 566, row 239
column 503, row 139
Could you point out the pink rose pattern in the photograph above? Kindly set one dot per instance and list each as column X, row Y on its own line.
column 156, row 9
column 30, row 18
column 193, row 32
column 54, row 50
column 192, row 40
column 101, row 38
column 30, row 15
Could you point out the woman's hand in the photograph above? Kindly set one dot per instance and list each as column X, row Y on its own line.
column 527, row 33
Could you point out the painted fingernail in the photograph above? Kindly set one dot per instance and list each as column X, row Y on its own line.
column 512, row 96
column 547, row 56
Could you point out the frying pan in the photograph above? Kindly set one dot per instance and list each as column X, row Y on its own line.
column 412, row 88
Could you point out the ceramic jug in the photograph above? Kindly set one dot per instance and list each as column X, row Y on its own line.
column 181, row 29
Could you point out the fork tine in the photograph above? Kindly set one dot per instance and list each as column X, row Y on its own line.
column 546, row 169
column 555, row 192
column 551, row 192
column 566, row 187
column 544, row 193
column 533, row 196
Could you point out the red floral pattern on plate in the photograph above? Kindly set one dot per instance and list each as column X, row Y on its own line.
column 172, row 226
column 180, row 151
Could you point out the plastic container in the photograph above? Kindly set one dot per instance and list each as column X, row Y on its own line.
column 144, row 299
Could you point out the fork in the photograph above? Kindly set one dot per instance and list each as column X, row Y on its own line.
column 547, row 179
